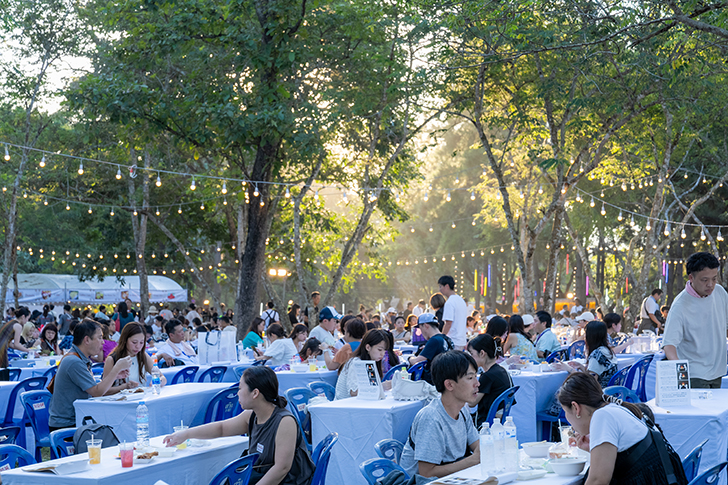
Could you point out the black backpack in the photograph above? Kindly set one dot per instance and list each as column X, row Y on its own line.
column 89, row 427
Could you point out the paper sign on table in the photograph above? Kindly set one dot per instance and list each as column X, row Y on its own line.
column 65, row 468
column 673, row 383
column 367, row 377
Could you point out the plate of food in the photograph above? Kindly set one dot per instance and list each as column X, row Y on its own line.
column 136, row 390
column 144, row 458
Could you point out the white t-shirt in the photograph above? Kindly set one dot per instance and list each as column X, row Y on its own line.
column 230, row 328
column 650, row 306
column 417, row 311
column 180, row 351
column 281, row 351
column 456, row 311
column 270, row 316
column 323, row 335
column 616, row 425
column 191, row 315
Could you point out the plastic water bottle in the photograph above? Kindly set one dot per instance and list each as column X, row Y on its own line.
column 511, row 445
column 487, row 449
column 156, row 378
column 499, row 443
column 142, row 422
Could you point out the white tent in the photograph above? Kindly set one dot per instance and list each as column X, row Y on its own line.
column 39, row 288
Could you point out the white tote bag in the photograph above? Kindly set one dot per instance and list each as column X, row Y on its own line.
column 216, row 346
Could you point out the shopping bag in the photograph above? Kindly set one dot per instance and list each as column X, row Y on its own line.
column 216, row 346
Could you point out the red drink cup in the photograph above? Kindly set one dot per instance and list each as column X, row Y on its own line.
column 126, row 450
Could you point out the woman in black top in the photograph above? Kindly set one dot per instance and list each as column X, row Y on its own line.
column 494, row 380
column 273, row 431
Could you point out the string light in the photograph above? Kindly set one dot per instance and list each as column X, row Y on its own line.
column 315, row 196
column 426, row 197
column 256, row 193
column 603, row 211
column 682, row 233
column 719, row 237
column 288, row 193
column 179, row 211
column 702, row 234
column 118, row 172
column 472, row 195
column 42, row 162
column 591, row 204
column 224, row 188
column 619, row 217
column 448, row 196
column 68, row 207
column 112, row 212
column 7, row 153
column 90, row 210
column 45, row 200
column 158, row 183
column 667, row 229
column 80, row 168
column 192, row 185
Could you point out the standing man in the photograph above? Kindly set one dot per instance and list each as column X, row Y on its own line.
column 270, row 315
column 649, row 312
column 454, row 314
column 546, row 341
column 420, row 308
column 408, row 311
column 192, row 314
column 698, row 321
column 64, row 321
column 315, row 299
column 101, row 314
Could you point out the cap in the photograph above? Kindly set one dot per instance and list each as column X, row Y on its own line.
column 427, row 318
column 328, row 313
column 391, row 310
column 527, row 320
column 588, row 316
column 153, row 309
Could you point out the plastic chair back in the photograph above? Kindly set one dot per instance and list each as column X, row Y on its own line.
column 506, row 400
column 239, row 372
column 216, row 374
column 417, row 370
column 321, row 456
column 29, row 384
column 576, row 350
column 562, row 354
column 222, row 406
column 51, row 372
column 691, row 463
column 619, row 378
column 9, row 435
column 14, row 373
column 390, row 373
column 12, row 456
column 62, row 443
column 237, row 472
column 377, row 468
column 390, row 449
column 37, row 408
column 709, row 477
column 187, row 374
column 297, row 398
column 623, row 393
column 259, row 362
column 321, row 388
column 636, row 376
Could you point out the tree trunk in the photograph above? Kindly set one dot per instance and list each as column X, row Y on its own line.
column 139, row 230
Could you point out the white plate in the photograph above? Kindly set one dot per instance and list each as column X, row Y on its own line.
column 531, row 474
column 141, row 461
column 166, row 452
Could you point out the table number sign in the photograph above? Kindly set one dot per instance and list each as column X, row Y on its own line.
column 367, row 377
column 673, row 383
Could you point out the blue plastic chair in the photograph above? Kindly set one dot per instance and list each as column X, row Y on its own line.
column 321, row 388
column 506, row 400
column 621, row 392
column 97, row 369
column 691, row 463
column 390, row 449
column 561, row 355
column 239, row 372
column 259, row 362
column 619, row 378
column 417, row 370
column 185, row 375
column 710, row 477
column 321, row 456
column 237, row 472
column 576, row 350
column 9, row 435
column 51, row 372
column 29, row 384
column 547, row 421
column 390, row 373
column 636, row 376
column 14, row 373
column 62, row 443
column 215, row 374
column 222, row 406
column 14, row 456
column 377, row 468
column 37, row 408
column 297, row 398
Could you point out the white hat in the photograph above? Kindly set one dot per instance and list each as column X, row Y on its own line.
column 527, row 320
column 391, row 310
column 153, row 309
column 588, row 316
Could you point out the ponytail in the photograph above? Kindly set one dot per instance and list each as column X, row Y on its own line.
column 280, row 401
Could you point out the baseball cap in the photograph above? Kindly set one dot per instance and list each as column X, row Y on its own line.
column 588, row 316
column 328, row 313
column 392, row 310
column 427, row 318
column 527, row 320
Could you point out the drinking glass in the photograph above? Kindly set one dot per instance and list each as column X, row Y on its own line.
column 126, row 451
column 182, row 445
column 94, row 451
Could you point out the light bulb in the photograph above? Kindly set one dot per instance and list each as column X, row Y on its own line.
column 224, row 188
column 719, row 237
column 179, row 211
column 25, row 194
column 112, row 212
column 448, row 196
column 648, row 227
column 135, row 212
column 667, row 229
column 192, row 185
column 619, row 217
column 682, row 233
column 118, row 173
column 45, row 201
column 396, row 197
column 224, row 201
column 7, row 153
column 262, row 203
column 702, row 234
column 457, row 179
column 202, row 206
column 453, row 225
column 90, row 210
column 68, row 207
column 412, row 229
column 431, row 228
column 540, row 190
column 315, row 196
column 80, row 168
column 591, row 204
column 624, row 187
column 345, row 198
column 426, row 197
column 603, row 211
column 288, row 193
column 42, row 162
column 255, row 192
column 158, row 183
column 472, row 195
column 157, row 211
column 631, row 220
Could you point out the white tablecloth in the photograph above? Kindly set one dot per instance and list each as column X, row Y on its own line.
column 193, row 466
column 535, row 395
column 360, row 424
column 686, row 427
column 288, row 379
column 549, row 479
column 39, row 362
column 186, row 402
column 170, row 372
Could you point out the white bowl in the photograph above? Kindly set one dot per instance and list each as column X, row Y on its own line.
column 567, row 467
column 538, row 449
column 299, row 367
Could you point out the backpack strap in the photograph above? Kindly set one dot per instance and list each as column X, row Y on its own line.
column 52, row 384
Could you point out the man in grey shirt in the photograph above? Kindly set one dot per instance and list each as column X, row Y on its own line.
column 74, row 379
column 443, row 438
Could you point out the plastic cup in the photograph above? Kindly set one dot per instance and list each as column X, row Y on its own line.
column 126, row 451
column 94, row 451
column 182, row 445
column 312, row 365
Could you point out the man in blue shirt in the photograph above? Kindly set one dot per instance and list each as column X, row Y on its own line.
column 437, row 343
column 546, row 341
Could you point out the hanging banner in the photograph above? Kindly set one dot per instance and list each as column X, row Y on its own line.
column 94, row 296
column 32, row 296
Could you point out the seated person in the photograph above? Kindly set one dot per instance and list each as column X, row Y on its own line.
column 494, row 380
column 437, row 343
column 617, row 340
column 29, row 335
column 443, row 439
column 226, row 325
column 281, row 348
column 600, row 359
column 401, row 335
column 311, row 348
column 74, row 379
column 299, row 334
column 518, row 341
column 546, row 341
column 254, row 336
column 67, row 341
column 354, row 331
column 324, row 332
column 158, row 327
column 49, row 340
column 273, row 431
column 175, row 348
column 132, row 343
column 373, row 347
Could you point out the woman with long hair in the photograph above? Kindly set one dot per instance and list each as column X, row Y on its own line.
column 273, row 432
column 122, row 316
column 254, row 335
column 518, row 341
column 281, row 348
column 49, row 340
column 132, row 343
column 494, row 380
column 400, row 333
column 299, row 334
column 47, row 317
column 600, row 358
column 437, row 303
column 622, row 447
column 497, row 328
column 374, row 347
column 311, row 348
column 293, row 314
column 29, row 334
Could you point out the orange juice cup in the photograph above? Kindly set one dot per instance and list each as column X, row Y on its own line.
column 94, row 451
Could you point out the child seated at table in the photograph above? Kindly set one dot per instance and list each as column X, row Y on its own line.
column 374, row 347
column 311, row 348
column 274, row 434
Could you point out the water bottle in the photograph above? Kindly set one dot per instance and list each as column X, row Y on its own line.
column 156, row 378
column 499, row 439
column 511, row 445
column 487, row 450
column 142, row 422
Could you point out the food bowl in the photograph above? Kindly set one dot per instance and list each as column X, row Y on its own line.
column 567, row 467
column 537, row 449
column 299, row 367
